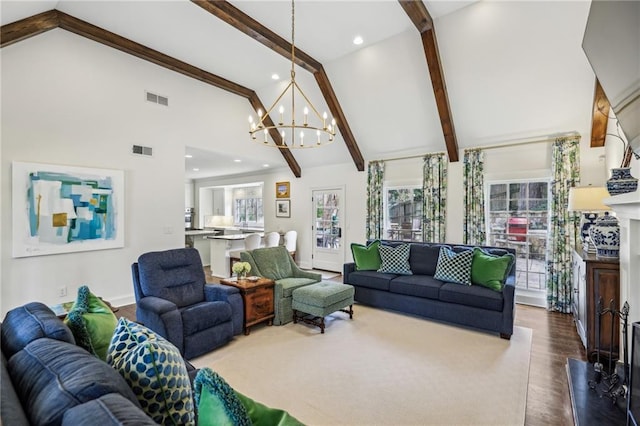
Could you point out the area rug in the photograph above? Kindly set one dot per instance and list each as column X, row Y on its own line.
column 381, row 368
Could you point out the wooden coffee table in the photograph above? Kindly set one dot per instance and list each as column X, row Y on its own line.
column 258, row 300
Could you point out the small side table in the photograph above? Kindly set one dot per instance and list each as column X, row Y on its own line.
column 258, row 300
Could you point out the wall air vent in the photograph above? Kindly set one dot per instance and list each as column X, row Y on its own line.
column 157, row 99
column 142, row 150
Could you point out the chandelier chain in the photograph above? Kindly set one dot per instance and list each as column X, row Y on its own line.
column 324, row 132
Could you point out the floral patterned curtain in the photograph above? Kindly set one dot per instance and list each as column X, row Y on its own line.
column 375, row 180
column 474, row 218
column 434, row 201
column 565, row 157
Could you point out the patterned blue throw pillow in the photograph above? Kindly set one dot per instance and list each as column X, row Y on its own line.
column 395, row 260
column 155, row 371
column 454, row 267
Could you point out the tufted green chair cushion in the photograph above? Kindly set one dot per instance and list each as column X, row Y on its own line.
column 155, row 371
column 273, row 262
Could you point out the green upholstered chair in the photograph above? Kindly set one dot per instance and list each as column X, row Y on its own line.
column 277, row 264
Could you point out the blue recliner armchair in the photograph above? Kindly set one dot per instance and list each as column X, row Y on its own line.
column 174, row 300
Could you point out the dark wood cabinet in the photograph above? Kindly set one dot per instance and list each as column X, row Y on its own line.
column 258, row 300
column 595, row 279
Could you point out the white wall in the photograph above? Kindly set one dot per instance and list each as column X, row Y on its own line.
column 68, row 100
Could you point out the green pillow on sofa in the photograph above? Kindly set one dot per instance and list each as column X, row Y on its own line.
column 489, row 270
column 220, row 405
column 366, row 258
column 92, row 323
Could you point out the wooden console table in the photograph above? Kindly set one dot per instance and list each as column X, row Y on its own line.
column 593, row 279
column 257, row 297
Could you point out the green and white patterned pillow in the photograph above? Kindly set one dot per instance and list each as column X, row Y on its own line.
column 155, row 371
column 395, row 260
column 454, row 267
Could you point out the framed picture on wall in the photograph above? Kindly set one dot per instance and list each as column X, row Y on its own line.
column 283, row 208
column 282, row 190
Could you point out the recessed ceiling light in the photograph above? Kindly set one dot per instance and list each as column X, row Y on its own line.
column 275, row 76
column 188, row 156
column 237, row 160
column 265, row 165
column 358, row 40
column 195, row 169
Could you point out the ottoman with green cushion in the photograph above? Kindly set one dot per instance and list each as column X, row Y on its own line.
column 320, row 300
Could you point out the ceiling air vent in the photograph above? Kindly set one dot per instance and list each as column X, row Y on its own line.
column 157, row 99
column 142, row 150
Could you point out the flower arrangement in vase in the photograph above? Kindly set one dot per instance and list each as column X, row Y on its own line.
column 241, row 269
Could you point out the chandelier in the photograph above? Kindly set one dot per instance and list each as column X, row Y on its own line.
column 312, row 131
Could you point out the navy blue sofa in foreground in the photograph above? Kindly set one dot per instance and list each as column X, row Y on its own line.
column 421, row 294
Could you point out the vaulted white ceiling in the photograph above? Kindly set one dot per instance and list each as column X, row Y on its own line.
column 492, row 54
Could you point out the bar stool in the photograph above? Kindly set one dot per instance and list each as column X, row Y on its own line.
column 251, row 242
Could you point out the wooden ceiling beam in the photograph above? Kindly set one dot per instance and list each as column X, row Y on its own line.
column 341, row 120
column 37, row 24
column 417, row 12
column 28, row 27
column 254, row 29
column 249, row 26
column 599, row 116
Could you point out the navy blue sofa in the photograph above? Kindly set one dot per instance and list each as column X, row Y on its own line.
column 421, row 294
column 48, row 380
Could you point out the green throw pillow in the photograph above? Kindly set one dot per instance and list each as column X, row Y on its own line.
column 261, row 415
column 454, row 267
column 395, row 260
column 155, row 371
column 489, row 270
column 218, row 404
column 367, row 258
column 92, row 323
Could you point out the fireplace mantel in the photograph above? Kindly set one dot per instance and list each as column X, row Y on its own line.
column 625, row 206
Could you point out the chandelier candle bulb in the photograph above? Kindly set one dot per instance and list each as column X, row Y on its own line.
column 282, row 134
column 265, row 135
column 301, row 138
column 281, row 110
column 306, row 114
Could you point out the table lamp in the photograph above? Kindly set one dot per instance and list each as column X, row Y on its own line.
column 588, row 201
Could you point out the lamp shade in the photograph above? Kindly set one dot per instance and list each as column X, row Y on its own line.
column 588, row 198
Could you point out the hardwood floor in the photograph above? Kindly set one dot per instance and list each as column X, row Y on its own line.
column 554, row 340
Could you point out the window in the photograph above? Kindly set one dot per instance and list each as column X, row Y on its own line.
column 403, row 213
column 248, row 211
column 518, row 217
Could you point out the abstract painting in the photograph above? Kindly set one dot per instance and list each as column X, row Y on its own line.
column 64, row 209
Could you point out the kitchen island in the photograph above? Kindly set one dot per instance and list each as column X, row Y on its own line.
column 197, row 239
column 221, row 245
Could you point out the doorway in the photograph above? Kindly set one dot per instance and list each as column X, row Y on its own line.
column 328, row 219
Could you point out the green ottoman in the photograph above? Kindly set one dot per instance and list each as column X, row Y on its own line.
column 320, row 300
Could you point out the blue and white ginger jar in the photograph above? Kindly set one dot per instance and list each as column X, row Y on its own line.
column 605, row 235
column 621, row 181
